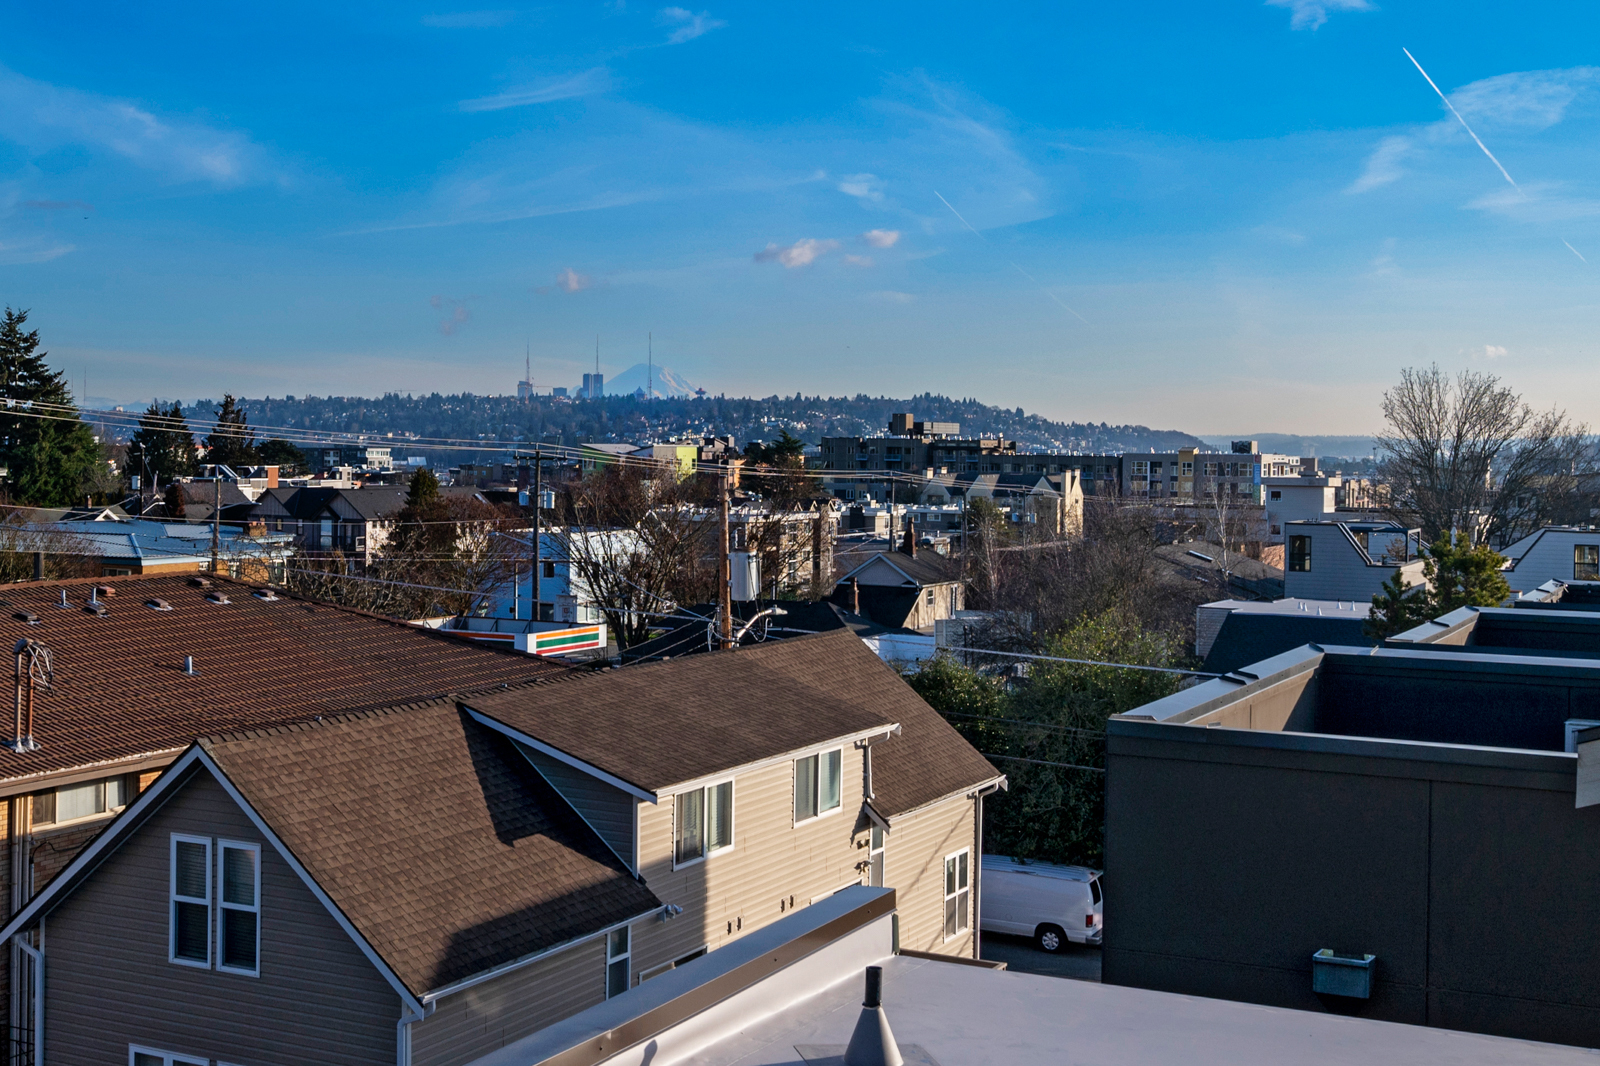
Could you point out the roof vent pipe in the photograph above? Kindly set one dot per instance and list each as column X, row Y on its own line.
column 33, row 668
column 188, row 667
column 872, row 1044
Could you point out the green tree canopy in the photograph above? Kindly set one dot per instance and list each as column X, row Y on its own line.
column 288, row 458
column 230, row 442
column 163, row 445
column 1459, row 574
column 48, row 459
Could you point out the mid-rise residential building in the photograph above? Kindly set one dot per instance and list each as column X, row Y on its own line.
column 1191, row 474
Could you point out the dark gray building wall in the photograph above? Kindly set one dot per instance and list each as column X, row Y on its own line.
column 109, row 984
column 1232, row 856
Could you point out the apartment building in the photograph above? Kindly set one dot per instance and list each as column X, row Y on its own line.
column 1191, row 474
column 357, row 522
column 1335, row 560
column 318, row 893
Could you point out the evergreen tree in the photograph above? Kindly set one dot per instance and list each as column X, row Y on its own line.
column 230, row 442
column 1459, row 574
column 289, row 459
column 163, row 446
column 48, row 459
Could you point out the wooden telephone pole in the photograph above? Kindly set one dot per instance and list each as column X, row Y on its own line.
column 724, row 569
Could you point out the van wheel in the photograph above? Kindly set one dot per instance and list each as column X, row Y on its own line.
column 1051, row 938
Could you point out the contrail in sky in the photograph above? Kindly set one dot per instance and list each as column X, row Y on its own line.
column 1463, row 122
column 1574, row 251
column 1014, row 266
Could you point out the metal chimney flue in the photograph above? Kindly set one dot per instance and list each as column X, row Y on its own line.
column 872, row 1043
column 189, row 668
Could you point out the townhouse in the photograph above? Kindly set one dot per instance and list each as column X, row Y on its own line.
column 115, row 677
column 426, row 883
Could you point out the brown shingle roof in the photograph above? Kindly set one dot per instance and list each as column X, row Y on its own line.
column 434, row 837
column 659, row 724
column 120, row 690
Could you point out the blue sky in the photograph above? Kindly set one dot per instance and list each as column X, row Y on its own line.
column 1221, row 217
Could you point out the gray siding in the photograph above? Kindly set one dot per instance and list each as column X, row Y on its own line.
column 485, row 1017
column 1234, row 856
column 109, row 983
column 1338, row 572
column 607, row 808
column 1549, row 557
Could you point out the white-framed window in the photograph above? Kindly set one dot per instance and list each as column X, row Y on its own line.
column 817, row 784
column 190, row 913
column 875, row 857
column 1141, row 466
column 619, row 950
column 1586, row 562
column 81, row 802
column 702, row 822
column 239, row 908
column 144, row 1056
column 957, row 893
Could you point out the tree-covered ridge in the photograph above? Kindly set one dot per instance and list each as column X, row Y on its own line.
column 498, row 420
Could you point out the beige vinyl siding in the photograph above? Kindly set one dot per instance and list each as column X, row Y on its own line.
column 488, row 1016
column 913, row 862
column 109, row 983
column 607, row 809
column 750, row 884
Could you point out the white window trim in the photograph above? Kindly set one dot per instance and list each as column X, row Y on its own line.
column 948, row 896
column 168, row 1058
column 173, row 899
column 222, row 906
column 882, row 849
column 625, row 957
column 830, row 812
column 705, row 815
column 99, row 816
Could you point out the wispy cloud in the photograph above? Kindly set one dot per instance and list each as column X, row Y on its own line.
column 688, row 24
column 597, row 80
column 17, row 253
column 1493, row 351
column 455, row 311
column 469, row 20
column 1311, row 14
column 570, row 280
column 1383, row 165
column 881, row 238
column 42, row 117
column 801, row 253
column 862, row 186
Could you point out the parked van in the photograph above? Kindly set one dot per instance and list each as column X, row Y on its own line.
column 1053, row 904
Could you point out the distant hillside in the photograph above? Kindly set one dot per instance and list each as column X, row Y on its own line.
column 500, row 421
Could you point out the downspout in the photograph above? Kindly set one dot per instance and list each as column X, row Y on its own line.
column 37, row 955
column 977, row 865
column 402, row 1032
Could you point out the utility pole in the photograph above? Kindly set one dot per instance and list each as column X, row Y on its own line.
column 724, row 570
column 538, row 497
column 216, row 516
column 818, row 536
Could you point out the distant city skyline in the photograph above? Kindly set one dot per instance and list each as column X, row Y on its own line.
column 1175, row 215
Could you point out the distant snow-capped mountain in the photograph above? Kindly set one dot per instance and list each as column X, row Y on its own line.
column 668, row 385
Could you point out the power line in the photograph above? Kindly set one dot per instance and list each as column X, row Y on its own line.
column 1086, row 662
column 1043, row 762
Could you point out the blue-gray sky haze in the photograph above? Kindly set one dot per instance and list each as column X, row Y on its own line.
column 1217, row 217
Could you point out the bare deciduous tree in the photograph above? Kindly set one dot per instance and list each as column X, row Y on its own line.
column 1466, row 454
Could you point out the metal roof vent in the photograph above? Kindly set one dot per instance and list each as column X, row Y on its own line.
column 63, row 601
column 265, row 595
column 199, row 583
column 872, row 1044
column 96, row 608
column 27, row 616
column 158, row 605
column 217, row 597
column 189, row 668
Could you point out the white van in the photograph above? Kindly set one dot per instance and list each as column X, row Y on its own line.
column 1053, row 904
